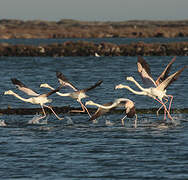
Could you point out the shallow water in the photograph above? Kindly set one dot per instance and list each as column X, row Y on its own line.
column 75, row 148
column 95, row 40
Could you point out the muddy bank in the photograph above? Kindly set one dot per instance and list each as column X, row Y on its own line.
column 67, row 28
column 82, row 48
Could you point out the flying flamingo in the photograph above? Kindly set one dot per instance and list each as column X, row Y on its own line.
column 145, row 73
column 121, row 102
column 158, row 92
column 40, row 99
column 77, row 94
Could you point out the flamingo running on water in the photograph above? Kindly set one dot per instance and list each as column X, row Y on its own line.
column 145, row 73
column 158, row 92
column 40, row 99
column 121, row 102
column 77, row 94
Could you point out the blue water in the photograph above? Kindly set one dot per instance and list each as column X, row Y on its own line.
column 95, row 40
column 75, row 148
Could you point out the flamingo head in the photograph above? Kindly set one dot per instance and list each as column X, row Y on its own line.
column 130, row 78
column 120, row 86
column 89, row 103
column 45, row 85
column 9, row 92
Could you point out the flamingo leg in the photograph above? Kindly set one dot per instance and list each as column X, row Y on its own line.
column 122, row 120
column 166, row 100
column 36, row 120
column 84, row 109
column 164, row 108
column 53, row 112
column 170, row 102
column 164, row 114
column 135, row 121
column 163, row 105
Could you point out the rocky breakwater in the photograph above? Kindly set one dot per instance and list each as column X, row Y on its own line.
column 82, row 48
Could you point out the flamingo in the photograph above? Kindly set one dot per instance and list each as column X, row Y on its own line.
column 145, row 73
column 158, row 92
column 36, row 98
column 76, row 94
column 120, row 102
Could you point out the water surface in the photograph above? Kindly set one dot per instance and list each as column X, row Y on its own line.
column 75, row 148
column 95, row 40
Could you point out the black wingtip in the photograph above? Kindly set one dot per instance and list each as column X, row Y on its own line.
column 141, row 59
column 99, row 82
column 60, row 75
column 15, row 81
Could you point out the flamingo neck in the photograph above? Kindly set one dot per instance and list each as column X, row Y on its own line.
column 58, row 93
column 63, row 94
column 50, row 87
column 101, row 106
column 21, row 98
column 138, row 85
column 135, row 92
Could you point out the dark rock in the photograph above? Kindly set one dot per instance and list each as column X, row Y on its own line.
column 82, row 48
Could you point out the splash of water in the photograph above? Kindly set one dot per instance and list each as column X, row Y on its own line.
column 177, row 119
column 36, row 119
column 69, row 120
column 109, row 123
column 95, row 121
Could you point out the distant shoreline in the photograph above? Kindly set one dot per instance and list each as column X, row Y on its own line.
column 68, row 28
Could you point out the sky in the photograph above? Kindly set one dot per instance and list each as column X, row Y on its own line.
column 94, row 10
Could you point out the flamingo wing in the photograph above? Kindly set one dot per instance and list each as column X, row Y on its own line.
column 144, row 71
column 22, row 87
column 64, row 81
column 165, row 73
column 170, row 79
column 51, row 92
column 127, row 104
column 93, row 86
column 100, row 111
